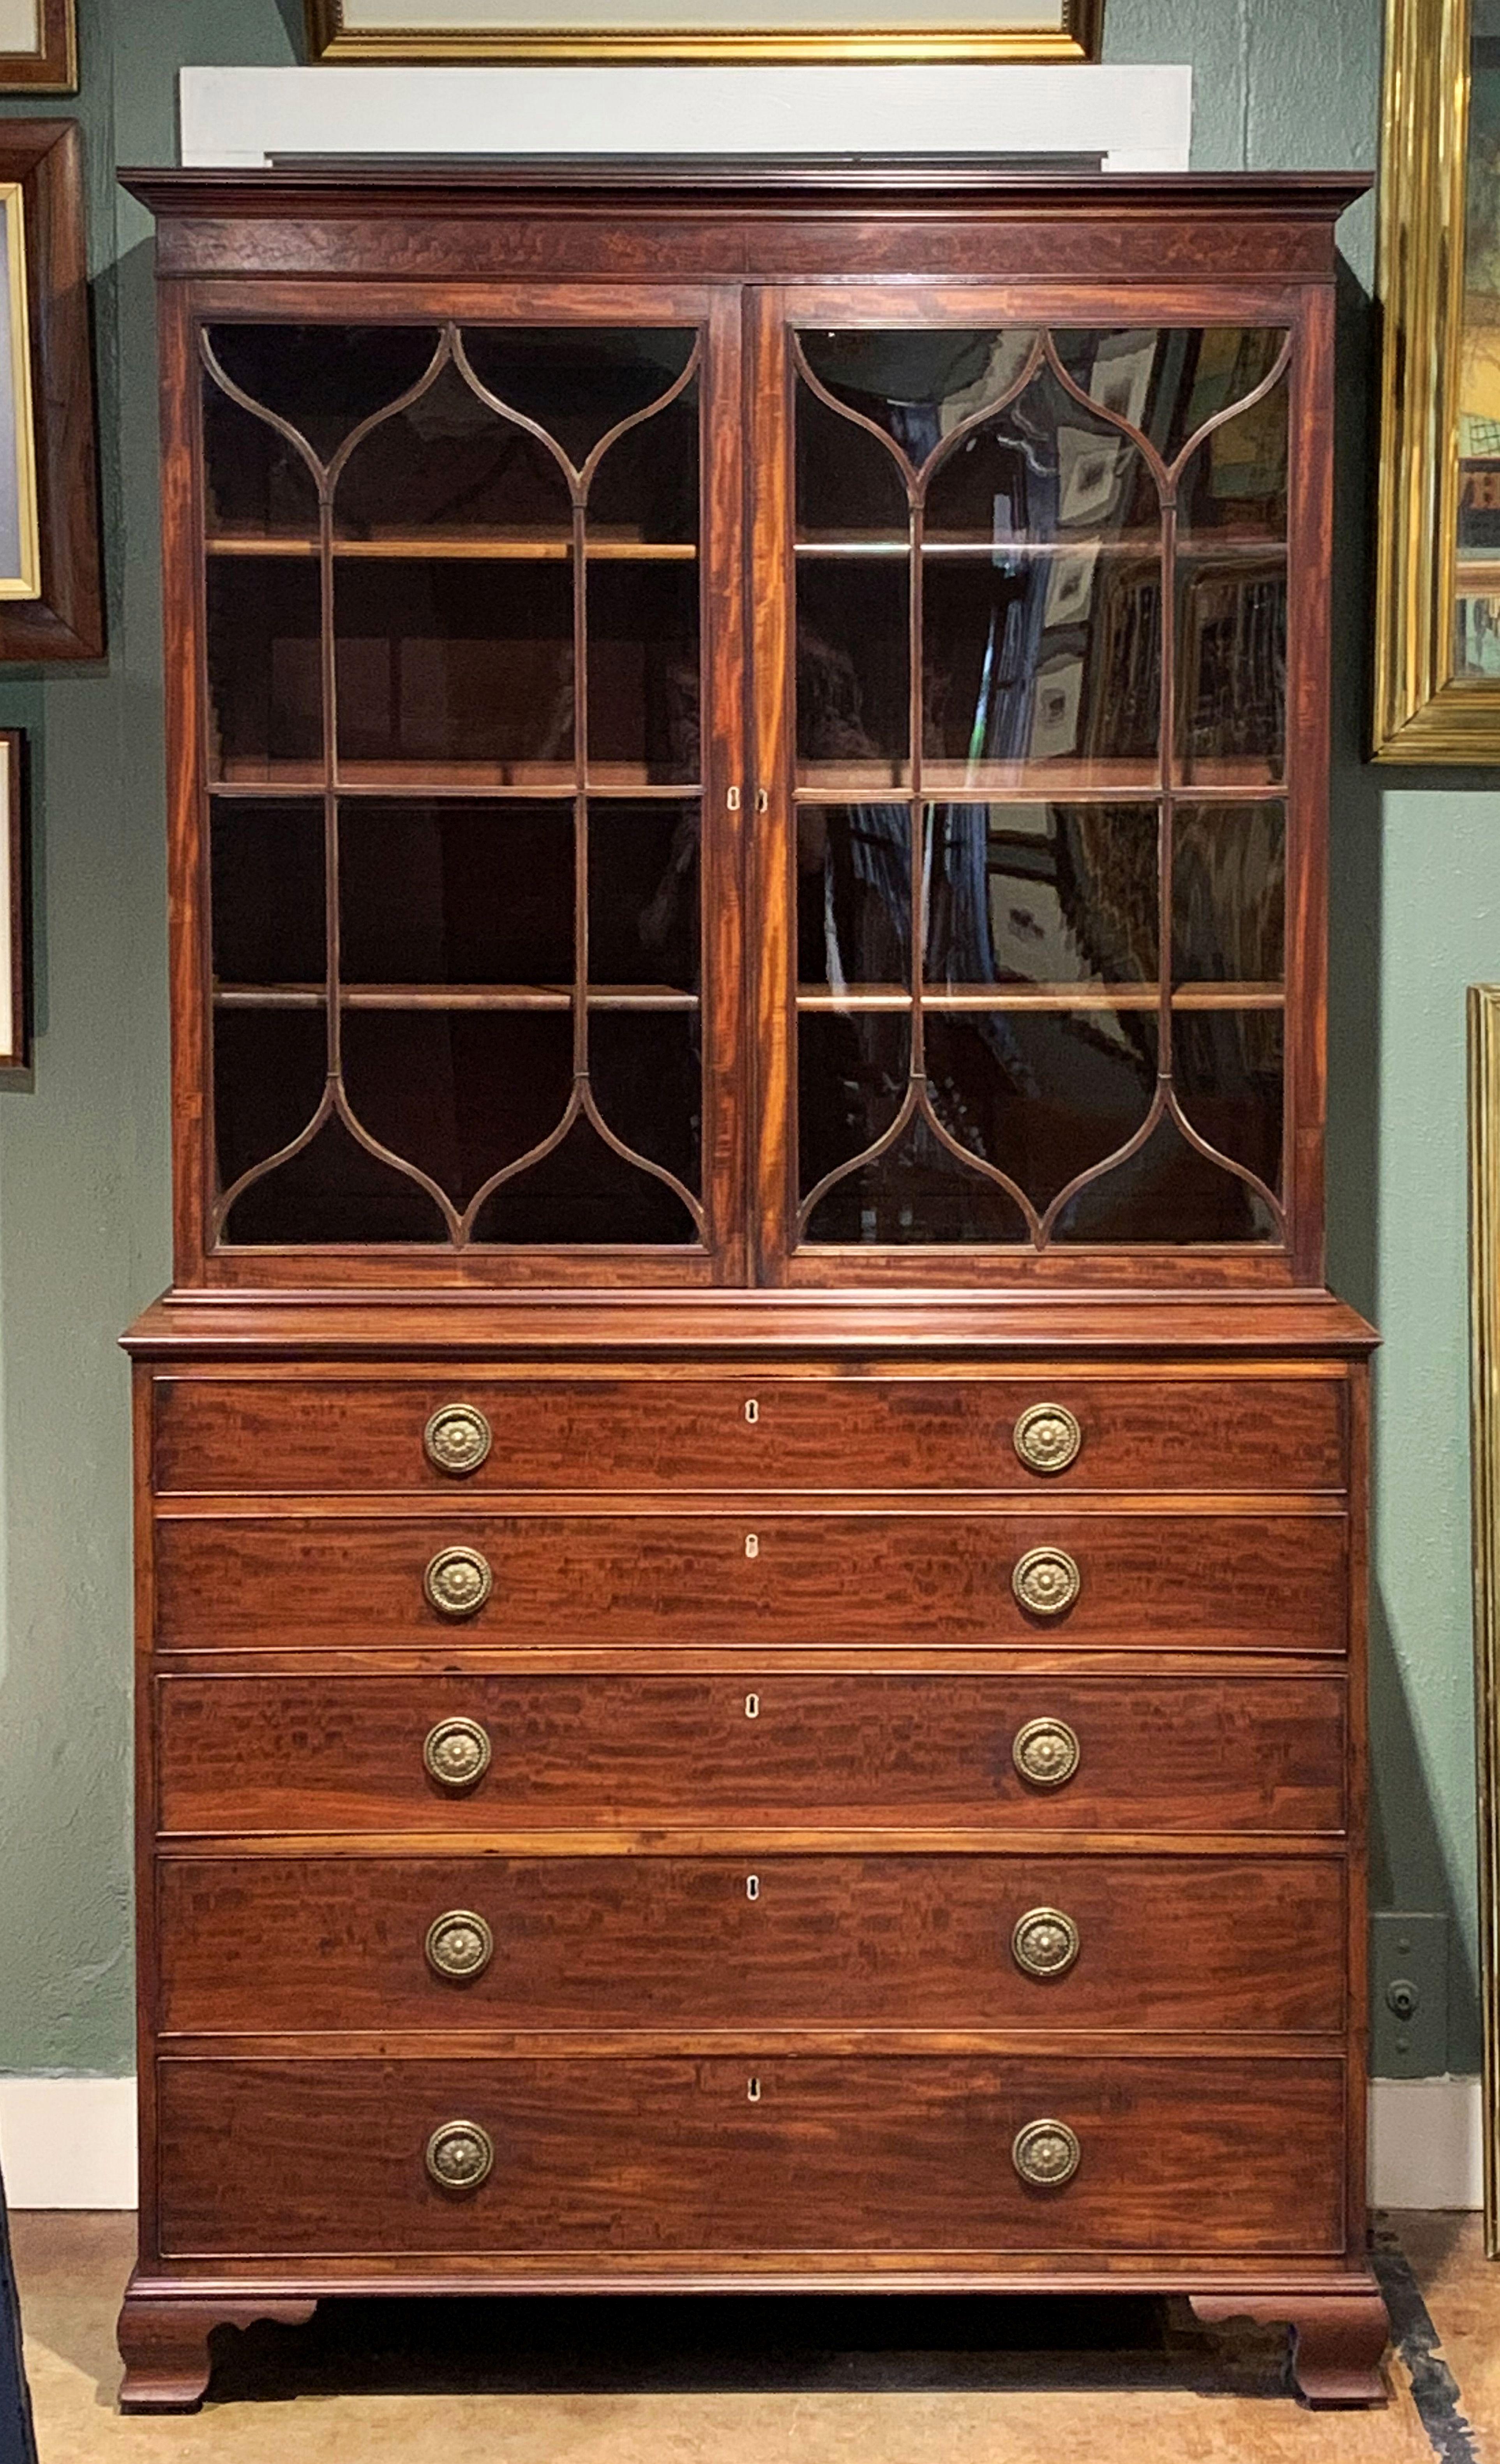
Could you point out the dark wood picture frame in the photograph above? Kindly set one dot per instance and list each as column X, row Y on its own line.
column 53, row 68
column 66, row 621
column 15, row 907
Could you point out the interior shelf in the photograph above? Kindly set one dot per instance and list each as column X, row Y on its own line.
column 422, row 547
column 476, row 779
column 1042, row 996
column 446, row 996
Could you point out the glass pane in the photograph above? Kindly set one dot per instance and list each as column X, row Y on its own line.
column 585, row 1195
column 456, row 893
column 335, row 1190
column 265, row 685
column 1229, row 893
column 644, row 897
column 324, row 379
column 849, row 486
column 647, row 1068
column 852, row 1072
column 449, row 467
column 440, row 664
column 917, row 1192
column 646, row 488
column 1041, row 471
column 266, row 895
column 1235, row 485
column 1228, row 1067
column 1043, row 1095
column 854, row 673
column 853, row 895
column 1042, row 893
column 918, row 386
column 577, row 381
column 461, row 1092
column 270, row 1068
column 1167, row 1194
column 257, row 483
column 1232, row 670
column 643, row 672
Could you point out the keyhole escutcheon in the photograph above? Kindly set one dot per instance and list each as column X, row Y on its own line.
column 752, row 1887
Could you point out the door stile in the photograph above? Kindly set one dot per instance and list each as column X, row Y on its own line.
column 772, row 889
column 724, row 620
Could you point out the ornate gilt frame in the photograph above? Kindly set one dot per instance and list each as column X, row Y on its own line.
column 1483, row 1280
column 1420, row 713
column 328, row 39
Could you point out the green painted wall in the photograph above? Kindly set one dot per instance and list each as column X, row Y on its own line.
column 83, row 1203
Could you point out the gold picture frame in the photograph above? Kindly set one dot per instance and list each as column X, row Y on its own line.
column 452, row 31
column 1484, row 1287
column 20, row 512
column 15, row 974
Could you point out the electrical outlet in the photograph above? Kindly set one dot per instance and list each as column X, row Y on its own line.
column 1408, row 1996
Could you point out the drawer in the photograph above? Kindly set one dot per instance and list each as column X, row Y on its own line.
column 1213, row 1944
column 659, row 2160
column 1217, row 1582
column 346, row 1753
column 653, row 1432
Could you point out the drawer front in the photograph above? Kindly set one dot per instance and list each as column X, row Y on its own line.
column 750, row 1431
column 1214, row 1581
column 322, row 1753
column 670, row 2158
column 675, row 1942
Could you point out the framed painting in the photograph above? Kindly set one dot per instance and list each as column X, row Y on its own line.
column 38, row 47
column 50, row 602
column 15, row 988
column 704, row 30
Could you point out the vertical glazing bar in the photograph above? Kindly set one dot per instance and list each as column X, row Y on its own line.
column 917, row 1069
column 332, row 957
column 1166, row 764
column 580, row 787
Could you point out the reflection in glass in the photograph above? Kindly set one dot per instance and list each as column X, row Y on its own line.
column 1041, row 893
column 265, row 688
column 1027, row 661
column 853, row 670
column 266, row 893
column 456, row 893
column 917, row 1193
column 851, row 1080
column 918, row 386
column 1233, row 670
column 853, row 895
column 1170, row 382
column 643, row 896
column 1229, row 893
column 1228, row 1067
column 437, row 665
column 1045, row 1095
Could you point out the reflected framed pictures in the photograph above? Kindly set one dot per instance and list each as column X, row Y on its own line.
column 15, row 986
column 704, row 29
column 38, row 47
column 1437, row 662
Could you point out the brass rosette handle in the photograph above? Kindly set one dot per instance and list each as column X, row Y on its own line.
column 1045, row 2154
column 460, row 2155
column 459, row 1945
column 457, row 1438
column 1047, row 1438
column 1046, row 1752
column 1044, row 1942
column 457, row 1582
column 456, row 1752
column 1046, row 1582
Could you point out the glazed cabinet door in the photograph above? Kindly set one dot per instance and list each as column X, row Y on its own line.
column 1038, row 720
column 465, row 874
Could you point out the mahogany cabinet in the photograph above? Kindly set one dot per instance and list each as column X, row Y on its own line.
column 752, row 1507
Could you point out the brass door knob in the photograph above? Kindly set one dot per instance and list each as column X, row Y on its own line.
column 1044, row 1942
column 1047, row 1437
column 461, row 2156
column 1047, row 1581
column 458, row 1582
column 457, row 1438
column 1045, row 2154
column 456, row 1752
column 1046, row 1752
column 460, row 1945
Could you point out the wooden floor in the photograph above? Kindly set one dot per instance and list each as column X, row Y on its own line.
column 762, row 2382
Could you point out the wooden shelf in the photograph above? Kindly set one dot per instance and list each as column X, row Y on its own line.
column 420, row 548
column 453, row 997
column 482, row 781
column 1232, row 548
column 1038, row 783
column 1010, row 996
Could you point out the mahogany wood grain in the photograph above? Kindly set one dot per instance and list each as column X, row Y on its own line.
column 846, row 1941
column 1339, row 2340
column 861, row 1431
column 678, row 2158
column 344, row 1753
column 1230, row 1581
column 164, row 2344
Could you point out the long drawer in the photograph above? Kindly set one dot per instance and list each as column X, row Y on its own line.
column 1135, row 1943
column 670, row 2157
column 1111, row 1753
column 751, row 1431
column 1214, row 1581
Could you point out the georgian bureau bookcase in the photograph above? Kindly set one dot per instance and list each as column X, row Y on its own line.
column 752, row 1508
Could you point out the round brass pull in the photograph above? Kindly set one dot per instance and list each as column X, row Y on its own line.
column 1045, row 2154
column 1047, row 1581
column 457, row 1438
column 456, row 1752
column 461, row 2156
column 460, row 1944
column 1047, row 1437
column 458, row 1582
column 1046, row 1752
column 1044, row 1942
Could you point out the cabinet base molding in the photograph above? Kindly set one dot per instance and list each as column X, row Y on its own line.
column 164, row 2344
column 1338, row 2338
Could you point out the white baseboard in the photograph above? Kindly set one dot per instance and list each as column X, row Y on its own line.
column 70, row 2142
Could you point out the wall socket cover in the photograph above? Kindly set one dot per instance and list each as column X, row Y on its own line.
column 1408, row 1995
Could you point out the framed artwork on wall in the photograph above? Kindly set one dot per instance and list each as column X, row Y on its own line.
column 15, row 989
column 1437, row 662
column 38, row 47
column 51, row 601
column 704, row 29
